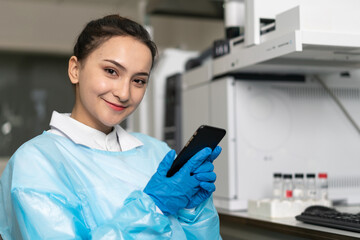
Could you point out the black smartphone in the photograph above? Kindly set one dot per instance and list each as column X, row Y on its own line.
column 204, row 136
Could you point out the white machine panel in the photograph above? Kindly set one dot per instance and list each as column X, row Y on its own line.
column 220, row 108
column 195, row 102
column 288, row 127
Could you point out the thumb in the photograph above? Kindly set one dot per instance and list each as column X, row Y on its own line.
column 215, row 153
column 166, row 163
column 196, row 160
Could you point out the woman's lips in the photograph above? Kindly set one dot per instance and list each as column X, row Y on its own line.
column 115, row 106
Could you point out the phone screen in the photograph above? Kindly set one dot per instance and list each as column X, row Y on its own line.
column 204, row 136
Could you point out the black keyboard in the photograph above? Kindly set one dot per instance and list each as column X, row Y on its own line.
column 329, row 217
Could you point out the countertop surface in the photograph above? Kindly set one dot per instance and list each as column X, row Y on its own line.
column 290, row 225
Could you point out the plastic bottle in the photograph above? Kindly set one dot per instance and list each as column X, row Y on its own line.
column 310, row 186
column 287, row 187
column 277, row 185
column 298, row 192
column 323, row 186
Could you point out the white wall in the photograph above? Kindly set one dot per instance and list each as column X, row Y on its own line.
column 52, row 26
column 194, row 34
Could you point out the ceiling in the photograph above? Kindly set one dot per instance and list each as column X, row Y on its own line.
column 212, row 9
column 186, row 8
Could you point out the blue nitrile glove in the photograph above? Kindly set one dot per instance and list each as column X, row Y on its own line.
column 173, row 193
column 207, row 178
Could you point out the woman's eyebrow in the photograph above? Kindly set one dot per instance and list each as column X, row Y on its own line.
column 115, row 63
column 124, row 68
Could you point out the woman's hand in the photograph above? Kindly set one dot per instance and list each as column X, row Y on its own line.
column 207, row 177
column 173, row 193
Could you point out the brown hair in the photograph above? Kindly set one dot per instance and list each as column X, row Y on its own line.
column 98, row 31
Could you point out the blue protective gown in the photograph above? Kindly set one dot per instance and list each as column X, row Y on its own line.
column 54, row 188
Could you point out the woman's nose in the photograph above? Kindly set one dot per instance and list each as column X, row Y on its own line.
column 122, row 90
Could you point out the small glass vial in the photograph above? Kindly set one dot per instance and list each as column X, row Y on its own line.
column 298, row 192
column 323, row 186
column 310, row 186
column 277, row 185
column 287, row 187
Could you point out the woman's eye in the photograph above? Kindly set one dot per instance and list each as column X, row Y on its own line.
column 140, row 82
column 110, row 71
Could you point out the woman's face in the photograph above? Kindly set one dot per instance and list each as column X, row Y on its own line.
column 110, row 82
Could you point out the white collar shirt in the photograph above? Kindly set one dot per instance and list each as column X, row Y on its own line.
column 117, row 140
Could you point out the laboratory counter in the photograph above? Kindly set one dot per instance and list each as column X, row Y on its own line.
column 236, row 225
column 240, row 225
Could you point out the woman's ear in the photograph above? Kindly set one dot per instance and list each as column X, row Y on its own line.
column 73, row 70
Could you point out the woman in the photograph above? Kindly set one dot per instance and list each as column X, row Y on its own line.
column 86, row 177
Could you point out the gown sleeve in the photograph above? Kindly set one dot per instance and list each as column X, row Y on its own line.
column 36, row 204
column 201, row 222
